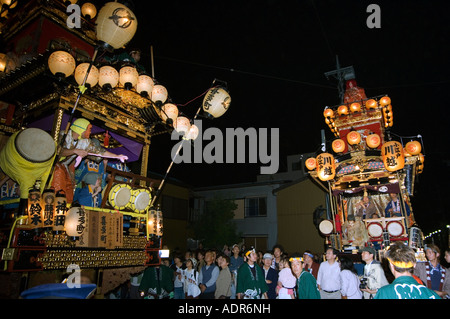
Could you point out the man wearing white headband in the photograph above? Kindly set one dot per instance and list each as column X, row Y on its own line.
column 251, row 283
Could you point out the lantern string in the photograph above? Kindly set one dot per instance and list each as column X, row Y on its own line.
column 195, row 97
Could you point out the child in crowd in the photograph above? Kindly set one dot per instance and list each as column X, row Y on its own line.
column 286, row 281
column 191, row 289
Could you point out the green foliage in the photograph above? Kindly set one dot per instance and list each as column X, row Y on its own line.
column 215, row 226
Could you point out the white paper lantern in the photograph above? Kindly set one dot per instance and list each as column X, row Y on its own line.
column 182, row 124
column 61, row 63
column 128, row 77
column 144, row 85
column 170, row 111
column 216, row 102
column 75, row 222
column 192, row 133
column 159, row 94
column 80, row 73
column 108, row 77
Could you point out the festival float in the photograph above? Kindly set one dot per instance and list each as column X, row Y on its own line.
column 368, row 173
column 53, row 76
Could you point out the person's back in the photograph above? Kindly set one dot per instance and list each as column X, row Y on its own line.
column 405, row 287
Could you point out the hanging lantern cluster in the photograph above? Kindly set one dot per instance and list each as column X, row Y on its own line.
column 329, row 119
column 385, row 103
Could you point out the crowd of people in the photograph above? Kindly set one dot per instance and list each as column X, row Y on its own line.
column 241, row 273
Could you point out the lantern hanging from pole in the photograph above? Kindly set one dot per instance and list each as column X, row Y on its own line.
column 326, row 169
column 128, row 77
column 75, row 222
column 159, row 222
column 192, row 133
column 144, row 85
column 169, row 112
column 342, row 110
column 338, row 145
column 216, row 102
column 159, row 95
column 353, row 138
column 35, row 211
column 413, row 147
column 355, row 107
column 108, row 77
column 311, row 163
column 88, row 10
column 59, row 216
column 371, row 104
column 182, row 124
column 48, row 205
column 80, row 74
column 116, row 25
column 61, row 63
column 393, row 157
column 328, row 113
column 385, row 100
column 373, row 140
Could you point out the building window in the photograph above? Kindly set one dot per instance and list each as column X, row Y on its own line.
column 255, row 206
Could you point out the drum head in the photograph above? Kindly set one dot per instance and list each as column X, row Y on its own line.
column 375, row 230
column 395, row 228
column 142, row 200
column 35, row 145
column 326, row 227
column 119, row 196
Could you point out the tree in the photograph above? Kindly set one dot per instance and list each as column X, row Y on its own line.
column 215, row 226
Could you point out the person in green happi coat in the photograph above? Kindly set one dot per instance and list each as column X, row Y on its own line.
column 251, row 282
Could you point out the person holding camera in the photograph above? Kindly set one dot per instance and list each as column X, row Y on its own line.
column 374, row 277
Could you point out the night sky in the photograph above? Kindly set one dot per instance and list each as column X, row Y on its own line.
column 273, row 56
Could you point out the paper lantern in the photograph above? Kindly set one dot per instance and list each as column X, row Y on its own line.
column 353, row 138
column 371, row 104
column 342, row 110
column 311, row 163
column 169, row 111
column 48, row 206
column 421, row 158
column 75, row 222
column 80, row 74
column 88, row 10
column 326, row 169
column 182, row 124
column 373, row 140
column 328, row 113
column 159, row 222
column 108, row 77
column 144, row 85
column 338, row 145
column 59, row 216
column 385, row 100
column 192, row 133
column 128, row 77
column 355, row 107
column 61, row 63
column 413, row 147
column 116, row 25
column 155, row 222
column 159, row 94
column 3, row 62
column 393, row 157
column 216, row 102
column 35, row 211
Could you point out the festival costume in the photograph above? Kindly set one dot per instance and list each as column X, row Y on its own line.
column 157, row 282
column 396, row 209
column 307, row 286
column 251, row 286
column 405, row 287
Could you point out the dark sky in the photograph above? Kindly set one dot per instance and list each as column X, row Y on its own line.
column 273, row 56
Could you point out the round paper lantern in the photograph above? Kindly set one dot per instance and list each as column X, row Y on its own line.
column 311, row 163
column 108, row 77
column 88, row 10
column 338, row 145
column 353, row 138
column 59, row 216
column 80, row 74
column 35, row 210
column 413, row 147
column 128, row 77
column 159, row 94
column 75, row 222
column 116, row 25
column 216, row 102
column 169, row 111
column 342, row 110
column 373, row 140
column 144, row 85
column 385, row 100
column 328, row 113
column 371, row 104
column 48, row 205
column 393, row 157
column 405, row 153
column 193, row 132
column 355, row 107
column 326, row 169
column 182, row 124
column 61, row 63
